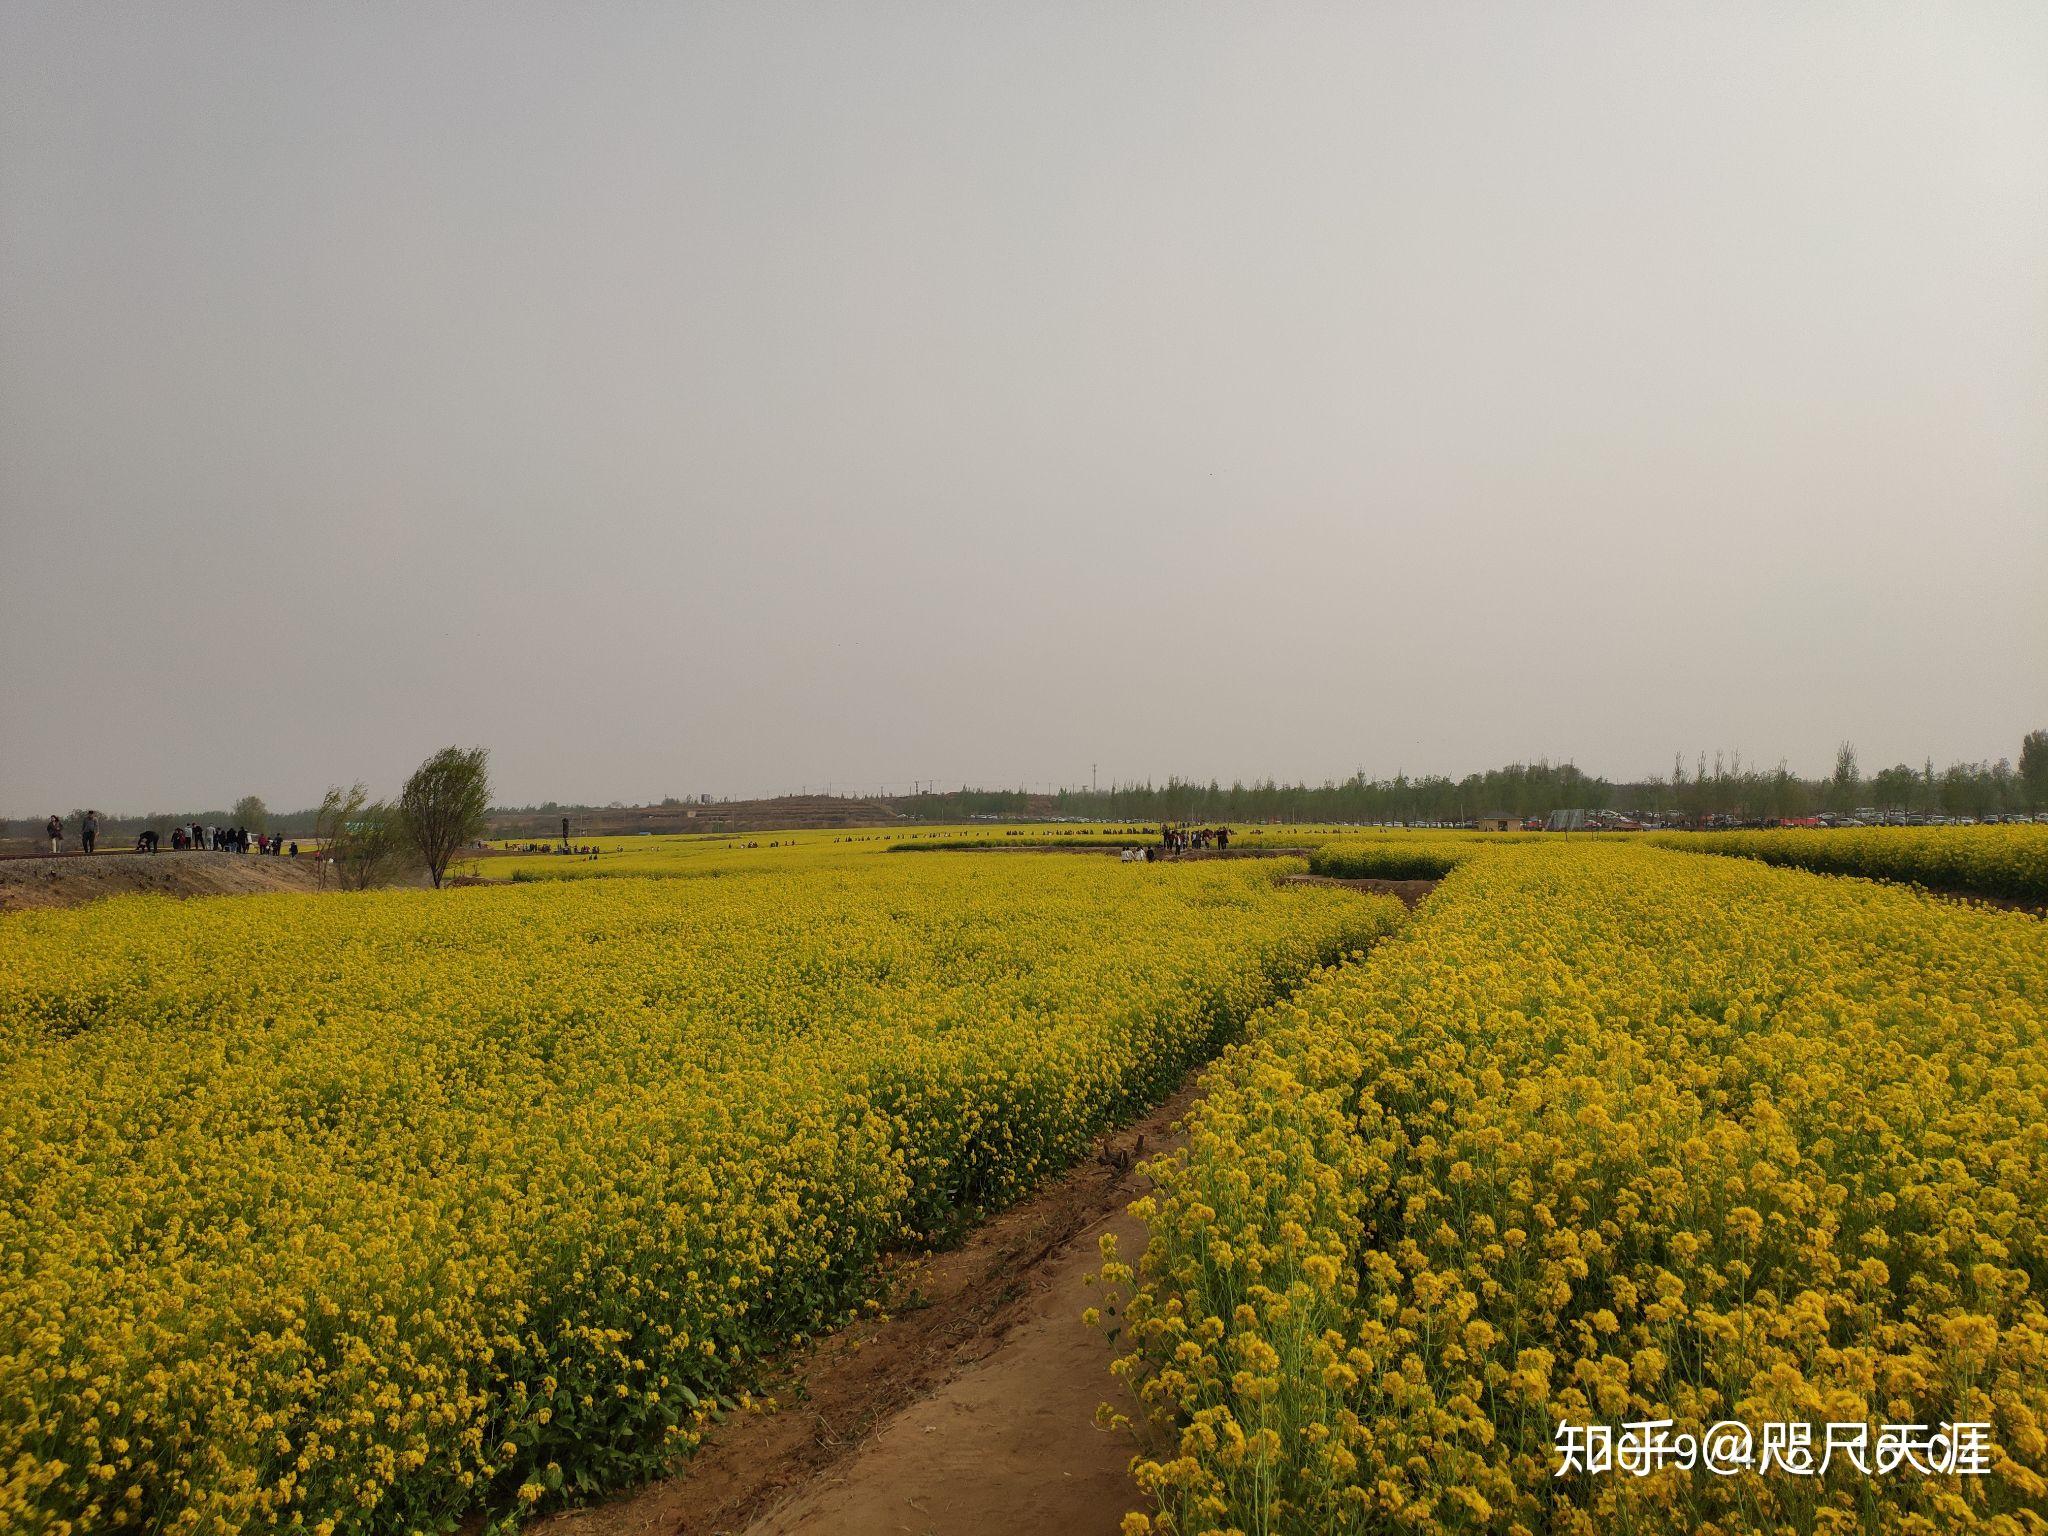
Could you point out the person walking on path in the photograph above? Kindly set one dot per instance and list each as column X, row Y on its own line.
column 54, row 827
column 89, row 830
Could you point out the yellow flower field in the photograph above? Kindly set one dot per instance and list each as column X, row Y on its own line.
column 693, row 855
column 2009, row 861
column 679, row 855
column 361, row 1213
column 1611, row 1134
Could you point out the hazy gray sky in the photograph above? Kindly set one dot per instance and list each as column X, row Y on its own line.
column 685, row 398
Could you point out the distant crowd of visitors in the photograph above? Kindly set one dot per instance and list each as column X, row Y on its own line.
column 1193, row 839
column 1174, row 841
column 219, row 840
column 185, row 836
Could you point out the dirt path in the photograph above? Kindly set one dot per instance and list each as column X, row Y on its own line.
column 73, row 878
column 970, row 1410
column 1410, row 892
column 1981, row 899
column 1009, row 1444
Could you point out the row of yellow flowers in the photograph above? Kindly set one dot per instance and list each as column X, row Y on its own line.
column 365, row 1213
column 1611, row 1134
column 2009, row 861
column 1403, row 855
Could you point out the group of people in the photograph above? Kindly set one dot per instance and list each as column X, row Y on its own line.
column 88, row 832
column 185, row 836
column 193, row 835
column 1193, row 839
column 1174, row 841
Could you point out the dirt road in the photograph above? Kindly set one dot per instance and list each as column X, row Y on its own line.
column 1009, row 1444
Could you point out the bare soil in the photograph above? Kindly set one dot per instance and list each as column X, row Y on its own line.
column 1981, row 899
column 1411, row 892
column 968, row 1408
column 69, row 879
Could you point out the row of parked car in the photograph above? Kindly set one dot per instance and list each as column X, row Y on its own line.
column 1616, row 821
column 1862, row 818
column 1869, row 817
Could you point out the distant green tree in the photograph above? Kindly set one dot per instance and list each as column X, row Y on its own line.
column 251, row 812
column 2033, row 779
column 1845, row 783
column 2001, row 789
column 444, row 804
column 1956, row 799
column 361, row 840
column 1894, row 788
column 1788, row 797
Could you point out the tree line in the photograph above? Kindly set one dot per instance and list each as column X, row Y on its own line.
column 1722, row 786
column 376, row 835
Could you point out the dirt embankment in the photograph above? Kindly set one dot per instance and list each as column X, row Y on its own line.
column 70, row 879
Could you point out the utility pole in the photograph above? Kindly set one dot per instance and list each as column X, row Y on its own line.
column 1093, row 786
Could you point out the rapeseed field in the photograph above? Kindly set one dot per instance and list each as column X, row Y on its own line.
column 369, row 1213
column 2009, row 861
column 1611, row 1135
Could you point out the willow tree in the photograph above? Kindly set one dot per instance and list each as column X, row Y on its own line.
column 444, row 804
column 359, row 839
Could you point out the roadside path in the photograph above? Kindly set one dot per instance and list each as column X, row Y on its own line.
column 1010, row 1443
